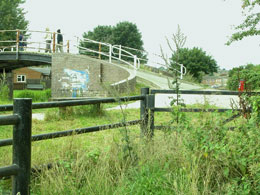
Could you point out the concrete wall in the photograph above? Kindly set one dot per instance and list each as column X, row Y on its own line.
column 82, row 76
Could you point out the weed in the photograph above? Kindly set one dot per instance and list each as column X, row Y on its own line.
column 4, row 91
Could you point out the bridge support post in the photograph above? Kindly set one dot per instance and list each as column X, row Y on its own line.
column 10, row 85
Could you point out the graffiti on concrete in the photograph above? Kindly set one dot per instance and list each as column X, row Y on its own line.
column 75, row 81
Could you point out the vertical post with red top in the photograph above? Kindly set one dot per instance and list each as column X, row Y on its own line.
column 241, row 85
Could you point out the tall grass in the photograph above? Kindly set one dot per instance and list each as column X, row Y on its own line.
column 4, row 93
column 205, row 158
column 198, row 157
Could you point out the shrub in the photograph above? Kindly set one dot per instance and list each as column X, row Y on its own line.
column 249, row 73
column 4, row 91
column 37, row 96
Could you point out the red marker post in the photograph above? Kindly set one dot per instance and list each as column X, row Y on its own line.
column 241, row 85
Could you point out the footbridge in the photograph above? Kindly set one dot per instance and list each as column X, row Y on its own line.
column 32, row 47
column 80, row 66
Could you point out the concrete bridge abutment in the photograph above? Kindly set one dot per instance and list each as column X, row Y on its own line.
column 81, row 76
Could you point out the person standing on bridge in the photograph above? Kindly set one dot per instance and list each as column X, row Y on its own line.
column 48, row 39
column 59, row 45
column 21, row 46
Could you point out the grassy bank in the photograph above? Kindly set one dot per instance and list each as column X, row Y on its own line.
column 200, row 156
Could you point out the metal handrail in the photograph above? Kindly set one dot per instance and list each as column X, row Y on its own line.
column 130, row 55
column 182, row 70
column 136, row 64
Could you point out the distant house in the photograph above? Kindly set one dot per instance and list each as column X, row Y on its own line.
column 217, row 80
column 32, row 78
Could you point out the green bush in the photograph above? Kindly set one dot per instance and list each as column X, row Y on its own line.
column 249, row 73
column 4, row 92
column 37, row 96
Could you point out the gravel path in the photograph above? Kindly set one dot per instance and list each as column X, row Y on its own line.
column 38, row 116
column 163, row 100
column 162, row 81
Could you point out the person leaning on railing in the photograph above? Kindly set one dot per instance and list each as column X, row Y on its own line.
column 59, row 45
column 21, row 42
column 48, row 39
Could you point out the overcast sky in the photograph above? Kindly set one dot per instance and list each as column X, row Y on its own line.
column 206, row 23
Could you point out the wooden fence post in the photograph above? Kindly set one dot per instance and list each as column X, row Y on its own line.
column 68, row 46
column 54, row 42
column 17, row 40
column 99, row 49
column 144, row 112
column 22, row 133
column 151, row 105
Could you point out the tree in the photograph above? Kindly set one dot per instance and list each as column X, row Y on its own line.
column 250, row 26
column 124, row 33
column 12, row 16
column 196, row 61
column 127, row 34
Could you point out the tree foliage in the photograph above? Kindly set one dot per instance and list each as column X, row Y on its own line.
column 127, row 34
column 123, row 33
column 12, row 16
column 196, row 61
column 101, row 34
column 249, row 73
column 250, row 26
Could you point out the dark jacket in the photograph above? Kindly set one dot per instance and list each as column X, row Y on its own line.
column 59, row 38
column 20, row 40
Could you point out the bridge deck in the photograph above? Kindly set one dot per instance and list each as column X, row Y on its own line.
column 14, row 60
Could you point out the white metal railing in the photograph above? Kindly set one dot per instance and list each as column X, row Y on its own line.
column 182, row 69
column 111, row 54
column 127, row 54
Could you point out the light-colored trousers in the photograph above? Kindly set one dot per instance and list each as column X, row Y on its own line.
column 59, row 47
column 48, row 46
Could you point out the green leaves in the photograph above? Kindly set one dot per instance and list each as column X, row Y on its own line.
column 249, row 73
column 249, row 26
column 11, row 17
